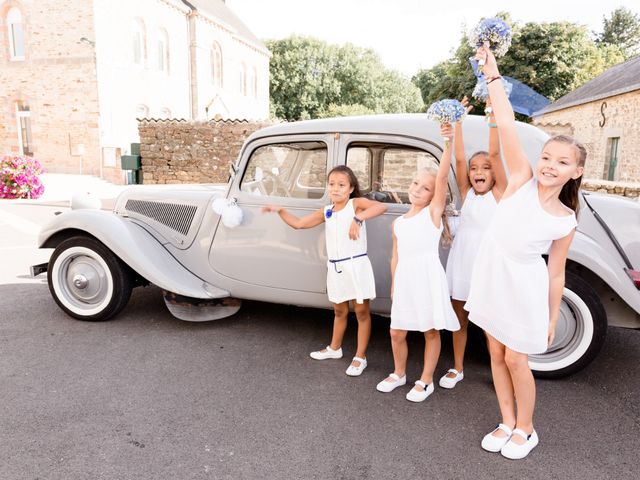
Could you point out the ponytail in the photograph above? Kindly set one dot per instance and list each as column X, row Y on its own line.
column 447, row 238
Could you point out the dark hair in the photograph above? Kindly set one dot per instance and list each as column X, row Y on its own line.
column 479, row 152
column 570, row 193
column 353, row 180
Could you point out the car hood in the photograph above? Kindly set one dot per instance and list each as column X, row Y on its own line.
column 622, row 216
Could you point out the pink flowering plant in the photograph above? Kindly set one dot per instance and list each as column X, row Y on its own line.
column 19, row 177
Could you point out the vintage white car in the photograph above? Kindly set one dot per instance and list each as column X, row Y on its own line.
column 171, row 237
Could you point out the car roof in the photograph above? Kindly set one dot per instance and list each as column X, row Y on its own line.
column 415, row 125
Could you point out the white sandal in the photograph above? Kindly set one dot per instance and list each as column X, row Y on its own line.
column 494, row 444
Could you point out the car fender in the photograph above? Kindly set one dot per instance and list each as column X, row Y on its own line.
column 587, row 252
column 134, row 246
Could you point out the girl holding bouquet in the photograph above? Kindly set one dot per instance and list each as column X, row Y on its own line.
column 419, row 284
column 514, row 296
column 481, row 184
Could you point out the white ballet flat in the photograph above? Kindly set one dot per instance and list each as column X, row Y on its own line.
column 448, row 382
column 514, row 451
column 416, row 395
column 328, row 353
column 494, row 444
column 385, row 387
column 357, row 371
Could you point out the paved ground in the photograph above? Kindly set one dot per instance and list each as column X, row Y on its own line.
column 147, row 396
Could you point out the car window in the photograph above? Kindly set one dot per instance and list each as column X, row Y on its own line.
column 391, row 169
column 297, row 170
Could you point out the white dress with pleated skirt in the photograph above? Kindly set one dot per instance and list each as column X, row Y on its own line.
column 349, row 271
column 420, row 293
column 475, row 216
column 509, row 294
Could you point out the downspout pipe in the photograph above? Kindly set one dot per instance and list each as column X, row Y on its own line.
column 193, row 73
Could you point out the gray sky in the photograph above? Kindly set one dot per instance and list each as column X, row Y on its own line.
column 407, row 34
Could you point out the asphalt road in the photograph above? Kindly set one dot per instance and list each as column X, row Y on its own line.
column 146, row 396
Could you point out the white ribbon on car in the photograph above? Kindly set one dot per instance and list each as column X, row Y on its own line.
column 229, row 210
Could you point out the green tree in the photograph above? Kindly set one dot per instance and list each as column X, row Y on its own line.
column 622, row 29
column 552, row 58
column 311, row 79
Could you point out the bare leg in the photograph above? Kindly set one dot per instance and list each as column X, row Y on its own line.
column 364, row 329
column 431, row 355
column 341, row 313
column 502, row 384
column 525, row 390
column 400, row 351
column 459, row 337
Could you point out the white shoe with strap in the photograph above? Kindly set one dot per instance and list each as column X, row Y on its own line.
column 516, row 451
column 416, row 395
column 386, row 386
column 492, row 443
column 326, row 353
column 450, row 382
column 354, row 371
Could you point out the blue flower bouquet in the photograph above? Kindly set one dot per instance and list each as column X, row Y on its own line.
column 446, row 111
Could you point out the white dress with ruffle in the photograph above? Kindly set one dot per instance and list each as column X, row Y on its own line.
column 509, row 294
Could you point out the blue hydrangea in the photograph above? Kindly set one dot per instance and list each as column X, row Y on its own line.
column 494, row 31
column 446, row 111
column 481, row 92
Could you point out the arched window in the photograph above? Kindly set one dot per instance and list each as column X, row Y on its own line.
column 16, row 34
column 138, row 42
column 216, row 65
column 162, row 51
column 165, row 113
column 254, row 82
column 142, row 111
column 243, row 79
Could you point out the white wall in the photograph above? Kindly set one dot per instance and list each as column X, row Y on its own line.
column 122, row 84
column 234, row 52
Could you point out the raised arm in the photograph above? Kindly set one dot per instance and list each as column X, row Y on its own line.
column 517, row 162
column 556, row 265
column 462, row 171
column 439, row 200
column 497, row 167
column 308, row 221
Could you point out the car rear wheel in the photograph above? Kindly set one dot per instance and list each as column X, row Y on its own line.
column 87, row 280
column 580, row 333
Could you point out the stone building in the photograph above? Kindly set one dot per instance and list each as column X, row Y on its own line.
column 604, row 114
column 75, row 75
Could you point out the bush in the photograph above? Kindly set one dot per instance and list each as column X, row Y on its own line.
column 19, row 177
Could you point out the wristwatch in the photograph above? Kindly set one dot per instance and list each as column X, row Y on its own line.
column 358, row 221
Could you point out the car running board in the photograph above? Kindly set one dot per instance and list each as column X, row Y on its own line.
column 198, row 309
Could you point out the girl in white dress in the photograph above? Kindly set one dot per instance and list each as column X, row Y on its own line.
column 514, row 296
column 349, row 272
column 419, row 284
column 481, row 184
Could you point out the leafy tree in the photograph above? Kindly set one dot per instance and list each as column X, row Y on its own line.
column 311, row 79
column 552, row 58
column 622, row 29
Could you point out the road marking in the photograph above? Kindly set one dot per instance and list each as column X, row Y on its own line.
column 14, row 221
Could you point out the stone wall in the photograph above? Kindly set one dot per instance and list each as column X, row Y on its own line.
column 175, row 151
column 587, row 124
column 625, row 189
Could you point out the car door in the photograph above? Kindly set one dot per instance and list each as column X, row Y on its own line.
column 385, row 166
column 290, row 171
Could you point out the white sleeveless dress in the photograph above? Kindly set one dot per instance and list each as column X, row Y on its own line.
column 509, row 295
column 420, row 294
column 349, row 272
column 477, row 212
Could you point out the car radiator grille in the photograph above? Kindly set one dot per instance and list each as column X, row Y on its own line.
column 176, row 216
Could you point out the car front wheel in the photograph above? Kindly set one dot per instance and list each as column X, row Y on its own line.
column 87, row 280
column 580, row 332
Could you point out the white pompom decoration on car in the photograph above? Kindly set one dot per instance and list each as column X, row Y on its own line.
column 230, row 212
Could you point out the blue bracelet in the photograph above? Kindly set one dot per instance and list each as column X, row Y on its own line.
column 493, row 125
